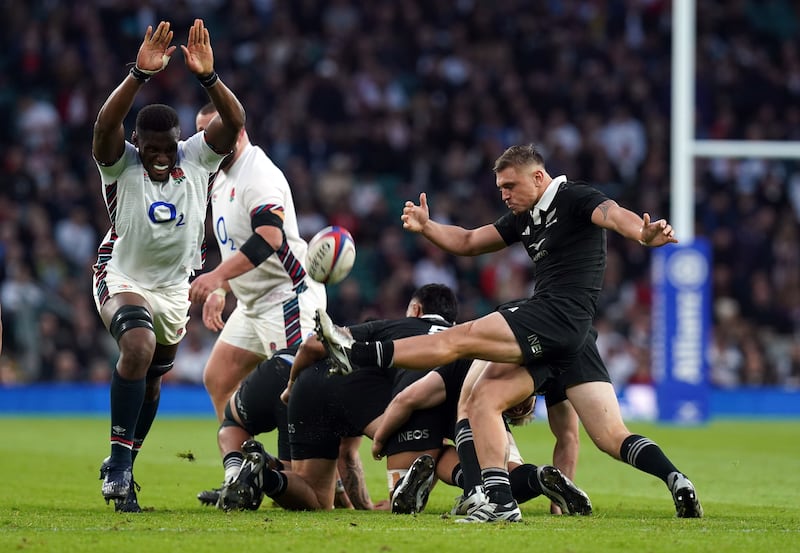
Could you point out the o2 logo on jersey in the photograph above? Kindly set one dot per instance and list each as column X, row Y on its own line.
column 222, row 235
column 163, row 212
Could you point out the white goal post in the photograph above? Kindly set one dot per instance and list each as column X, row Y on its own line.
column 685, row 147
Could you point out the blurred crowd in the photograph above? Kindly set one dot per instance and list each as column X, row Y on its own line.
column 366, row 104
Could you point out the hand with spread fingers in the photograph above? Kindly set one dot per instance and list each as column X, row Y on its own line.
column 197, row 53
column 155, row 51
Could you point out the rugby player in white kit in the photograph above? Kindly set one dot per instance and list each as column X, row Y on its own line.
column 262, row 252
column 156, row 191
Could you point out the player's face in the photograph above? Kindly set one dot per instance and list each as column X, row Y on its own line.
column 520, row 187
column 158, row 152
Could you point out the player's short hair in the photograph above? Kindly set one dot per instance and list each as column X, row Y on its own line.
column 157, row 118
column 437, row 299
column 208, row 108
column 521, row 155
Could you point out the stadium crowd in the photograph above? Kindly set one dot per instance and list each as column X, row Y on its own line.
column 365, row 104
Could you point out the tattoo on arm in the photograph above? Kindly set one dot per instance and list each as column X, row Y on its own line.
column 355, row 485
column 605, row 206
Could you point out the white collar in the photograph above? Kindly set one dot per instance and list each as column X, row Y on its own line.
column 434, row 317
column 547, row 198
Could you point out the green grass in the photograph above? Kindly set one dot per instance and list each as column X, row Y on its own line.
column 747, row 474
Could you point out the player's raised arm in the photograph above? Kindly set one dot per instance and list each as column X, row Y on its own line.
column 612, row 216
column 223, row 130
column 451, row 238
column 108, row 140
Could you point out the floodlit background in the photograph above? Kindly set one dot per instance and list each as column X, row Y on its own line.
column 366, row 104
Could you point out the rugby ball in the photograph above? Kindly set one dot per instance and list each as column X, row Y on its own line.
column 331, row 254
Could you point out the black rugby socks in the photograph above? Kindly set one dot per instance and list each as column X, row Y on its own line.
column 275, row 483
column 465, row 446
column 126, row 401
column 645, row 455
column 497, row 485
column 524, row 483
column 374, row 354
column 147, row 415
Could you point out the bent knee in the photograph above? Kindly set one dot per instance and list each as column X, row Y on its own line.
column 610, row 442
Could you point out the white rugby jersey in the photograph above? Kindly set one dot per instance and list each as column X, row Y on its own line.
column 157, row 228
column 252, row 184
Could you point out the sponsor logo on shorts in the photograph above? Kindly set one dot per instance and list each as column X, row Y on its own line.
column 536, row 346
column 411, row 435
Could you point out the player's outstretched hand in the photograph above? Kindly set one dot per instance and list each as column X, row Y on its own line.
column 155, row 50
column 415, row 217
column 657, row 233
column 197, row 53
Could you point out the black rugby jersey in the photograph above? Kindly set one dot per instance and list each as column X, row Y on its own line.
column 394, row 329
column 567, row 249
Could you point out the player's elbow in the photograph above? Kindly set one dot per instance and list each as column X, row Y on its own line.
column 408, row 402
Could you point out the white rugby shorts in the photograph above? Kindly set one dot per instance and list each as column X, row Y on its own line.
column 273, row 326
column 170, row 306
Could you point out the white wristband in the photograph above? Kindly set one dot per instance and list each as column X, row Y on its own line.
column 221, row 292
column 641, row 233
column 164, row 62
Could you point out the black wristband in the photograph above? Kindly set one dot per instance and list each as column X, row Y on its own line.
column 208, row 80
column 139, row 75
column 256, row 249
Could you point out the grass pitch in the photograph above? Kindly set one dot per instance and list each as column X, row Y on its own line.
column 747, row 474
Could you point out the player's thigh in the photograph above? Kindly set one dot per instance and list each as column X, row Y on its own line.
column 168, row 307
column 228, row 363
column 598, row 409
column 499, row 387
column 489, row 337
column 241, row 331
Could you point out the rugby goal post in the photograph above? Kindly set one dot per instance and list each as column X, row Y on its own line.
column 681, row 274
column 684, row 146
